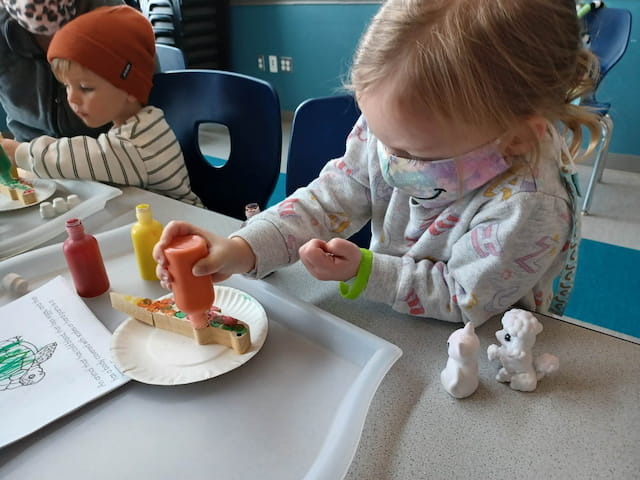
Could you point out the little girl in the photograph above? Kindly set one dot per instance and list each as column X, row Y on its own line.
column 459, row 160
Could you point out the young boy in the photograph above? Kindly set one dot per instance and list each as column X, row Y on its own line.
column 105, row 59
column 34, row 102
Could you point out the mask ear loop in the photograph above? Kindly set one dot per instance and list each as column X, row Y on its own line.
column 459, row 177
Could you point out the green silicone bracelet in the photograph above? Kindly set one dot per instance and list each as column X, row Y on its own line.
column 362, row 277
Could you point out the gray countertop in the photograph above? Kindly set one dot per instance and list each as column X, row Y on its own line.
column 581, row 422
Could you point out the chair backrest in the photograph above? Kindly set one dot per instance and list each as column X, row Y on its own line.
column 609, row 30
column 250, row 109
column 169, row 58
column 318, row 134
column 166, row 20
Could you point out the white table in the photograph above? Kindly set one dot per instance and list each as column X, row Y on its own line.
column 582, row 422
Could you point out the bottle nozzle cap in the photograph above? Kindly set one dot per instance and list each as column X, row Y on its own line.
column 143, row 212
column 73, row 222
column 199, row 319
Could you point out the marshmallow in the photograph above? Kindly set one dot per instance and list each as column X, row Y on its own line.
column 46, row 210
column 60, row 205
column 73, row 200
column 14, row 283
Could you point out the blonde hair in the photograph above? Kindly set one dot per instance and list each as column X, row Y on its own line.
column 480, row 61
column 60, row 68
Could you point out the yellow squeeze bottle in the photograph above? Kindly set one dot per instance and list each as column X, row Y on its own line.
column 145, row 233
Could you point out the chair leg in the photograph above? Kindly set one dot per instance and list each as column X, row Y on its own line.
column 607, row 132
column 602, row 150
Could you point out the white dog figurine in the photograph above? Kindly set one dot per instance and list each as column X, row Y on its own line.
column 460, row 377
column 516, row 338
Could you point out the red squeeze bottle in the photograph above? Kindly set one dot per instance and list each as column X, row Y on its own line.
column 84, row 260
column 193, row 295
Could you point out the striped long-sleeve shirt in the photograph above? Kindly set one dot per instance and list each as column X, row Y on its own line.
column 143, row 152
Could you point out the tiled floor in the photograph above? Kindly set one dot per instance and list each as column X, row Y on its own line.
column 614, row 216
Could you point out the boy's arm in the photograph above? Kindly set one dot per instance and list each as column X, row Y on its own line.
column 104, row 159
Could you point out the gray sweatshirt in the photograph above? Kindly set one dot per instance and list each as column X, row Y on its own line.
column 500, row 245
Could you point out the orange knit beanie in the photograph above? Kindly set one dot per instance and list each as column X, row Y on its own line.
column 116, row 43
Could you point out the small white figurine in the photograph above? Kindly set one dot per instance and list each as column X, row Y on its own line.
column 460, row 377
column 14, row 283
column 60, row 205
column 516, row 338
column 73, row 200
column 46, row 210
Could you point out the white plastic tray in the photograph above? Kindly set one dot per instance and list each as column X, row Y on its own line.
column 296, row 410
column 24, row 229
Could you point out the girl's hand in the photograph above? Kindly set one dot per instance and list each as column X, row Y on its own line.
column 10, row 146
column 226, row 255
column 337, row 259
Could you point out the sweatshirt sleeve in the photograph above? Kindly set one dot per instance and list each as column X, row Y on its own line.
column 336, row 204
column 108, row 158
column 508, row 248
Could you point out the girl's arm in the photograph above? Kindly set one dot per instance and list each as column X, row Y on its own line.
column 334, row 205
column 337, row 259
column 226, row 255
column 510, row 247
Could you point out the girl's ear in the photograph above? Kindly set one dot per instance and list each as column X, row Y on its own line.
column 523, row 139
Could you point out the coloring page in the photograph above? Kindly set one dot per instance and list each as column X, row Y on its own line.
column 54, row 358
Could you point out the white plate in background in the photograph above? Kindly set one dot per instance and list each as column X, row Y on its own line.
column 44, row 189
column 23, row 229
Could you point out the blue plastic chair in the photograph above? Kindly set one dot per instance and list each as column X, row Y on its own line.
column 609, row 30
column 169, row 58
column 318, row 134
column 250, row 109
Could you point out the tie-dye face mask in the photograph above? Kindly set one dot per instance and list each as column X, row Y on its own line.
column 436, row 183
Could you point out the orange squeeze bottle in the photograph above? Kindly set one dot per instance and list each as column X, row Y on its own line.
column 193, row 295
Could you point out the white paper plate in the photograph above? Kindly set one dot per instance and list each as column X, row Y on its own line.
column 155, row 356
column 44, row 189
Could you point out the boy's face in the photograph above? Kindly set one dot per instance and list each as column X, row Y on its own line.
column 95, row 100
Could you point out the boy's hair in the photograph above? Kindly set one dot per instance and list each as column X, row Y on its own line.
column 481, row 61
column 116, row 43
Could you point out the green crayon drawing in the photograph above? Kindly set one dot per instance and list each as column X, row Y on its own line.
column 21, row 362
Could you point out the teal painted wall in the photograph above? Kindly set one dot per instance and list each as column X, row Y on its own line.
column 321, row 40
column 621, row 87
